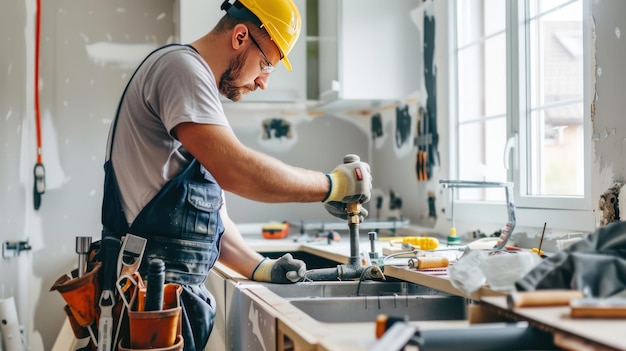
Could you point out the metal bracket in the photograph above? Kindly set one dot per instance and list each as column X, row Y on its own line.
column 13, row 248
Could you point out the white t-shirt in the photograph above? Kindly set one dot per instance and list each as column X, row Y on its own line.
column 174, row 85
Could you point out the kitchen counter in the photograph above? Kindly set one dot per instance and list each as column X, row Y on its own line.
column 309, row 334
column 580, row 333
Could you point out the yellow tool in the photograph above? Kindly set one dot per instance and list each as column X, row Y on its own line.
column 419, row 242
column 538, row 250
column 429, row 262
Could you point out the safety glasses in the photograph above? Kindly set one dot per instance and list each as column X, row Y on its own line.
column 266, row 68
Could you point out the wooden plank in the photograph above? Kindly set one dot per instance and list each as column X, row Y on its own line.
column 602, row 332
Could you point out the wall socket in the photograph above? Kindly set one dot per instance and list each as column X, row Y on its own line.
column 13, row 248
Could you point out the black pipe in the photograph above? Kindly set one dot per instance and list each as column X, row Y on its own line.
column 486, row 337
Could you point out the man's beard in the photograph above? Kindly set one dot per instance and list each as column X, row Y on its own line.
column 226, row 84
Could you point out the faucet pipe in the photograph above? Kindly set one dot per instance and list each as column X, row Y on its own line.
column 354, row 211
column 354, row 268
column 508, row 188
column 345, row 272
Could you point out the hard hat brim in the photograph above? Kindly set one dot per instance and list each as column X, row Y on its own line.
column 286, row 62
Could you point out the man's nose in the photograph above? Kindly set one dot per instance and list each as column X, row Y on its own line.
column 262, row 81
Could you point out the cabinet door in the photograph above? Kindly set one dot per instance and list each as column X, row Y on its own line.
column 197, row 17
column 216, row 284
column 375, row 46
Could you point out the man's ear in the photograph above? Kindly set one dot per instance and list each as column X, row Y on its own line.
column 240, row 32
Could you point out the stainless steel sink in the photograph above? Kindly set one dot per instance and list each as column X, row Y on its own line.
column 349, row 288
column 367, row 308
column 351, row 301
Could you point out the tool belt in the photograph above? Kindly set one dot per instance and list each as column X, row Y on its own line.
column 107, row 302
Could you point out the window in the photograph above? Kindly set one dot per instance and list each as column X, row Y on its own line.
column 521, row 112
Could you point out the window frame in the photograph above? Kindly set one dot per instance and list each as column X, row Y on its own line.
column 570, row 213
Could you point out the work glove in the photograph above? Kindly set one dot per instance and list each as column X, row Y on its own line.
column 283, row 270
column 349, row 182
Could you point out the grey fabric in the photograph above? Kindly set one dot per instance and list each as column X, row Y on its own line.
column 595, row 265
column 174, row 85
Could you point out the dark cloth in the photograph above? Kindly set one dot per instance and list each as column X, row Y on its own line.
column 595, row 265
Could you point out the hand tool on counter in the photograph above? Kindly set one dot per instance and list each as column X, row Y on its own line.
column 110, row 251
column 275, row 230
column 409, row 245
column 611, row 307
column 542, row 298
column 538, row 250
column 83, row 244
column 429, row 262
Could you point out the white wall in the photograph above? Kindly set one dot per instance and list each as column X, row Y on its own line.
column 89, row 49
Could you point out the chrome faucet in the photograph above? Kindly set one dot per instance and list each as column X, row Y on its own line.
column 354, row 268
column 508, row 187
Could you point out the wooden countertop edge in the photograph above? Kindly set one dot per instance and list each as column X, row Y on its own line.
column 604, row 334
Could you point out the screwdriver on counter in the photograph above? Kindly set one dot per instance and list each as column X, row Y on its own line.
column 538, row 250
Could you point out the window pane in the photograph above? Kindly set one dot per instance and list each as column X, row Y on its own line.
column 481, row 151
column 556, row 86
column 555, row 158
column 538, row 7
column 556, row 57
column 471, row 24
column 482, row 79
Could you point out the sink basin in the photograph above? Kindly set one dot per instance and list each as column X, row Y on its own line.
column 347, row 301
column 348, row 288
column 366, row 308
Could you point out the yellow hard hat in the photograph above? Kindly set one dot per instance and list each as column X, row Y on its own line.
column 280, row 18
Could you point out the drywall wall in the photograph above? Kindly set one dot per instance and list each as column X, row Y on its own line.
column 89, row 49
column 609, row 124
column 15, row 113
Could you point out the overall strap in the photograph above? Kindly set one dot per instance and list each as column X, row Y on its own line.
column 119, row 105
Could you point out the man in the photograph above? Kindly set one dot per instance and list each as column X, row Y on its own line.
column 172, row 153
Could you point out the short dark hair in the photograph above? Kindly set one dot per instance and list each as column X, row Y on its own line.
column 228, row 22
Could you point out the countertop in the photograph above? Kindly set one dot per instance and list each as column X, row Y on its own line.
column 315, row 335
column 338, row 336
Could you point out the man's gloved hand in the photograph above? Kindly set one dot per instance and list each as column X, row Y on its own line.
column 283, row 270
column 349, row 182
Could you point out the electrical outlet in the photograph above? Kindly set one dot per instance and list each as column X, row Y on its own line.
column 13, row 248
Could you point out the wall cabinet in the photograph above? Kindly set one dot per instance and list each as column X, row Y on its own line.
column 369, row 51
column 351, row 53
column 194, row 18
